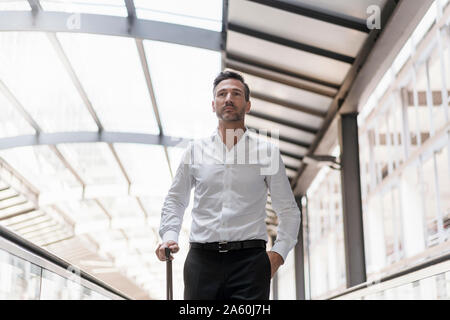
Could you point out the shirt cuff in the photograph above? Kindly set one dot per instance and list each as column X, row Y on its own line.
column 282, row 249
column 170, row 235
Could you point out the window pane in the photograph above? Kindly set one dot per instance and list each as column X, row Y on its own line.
column 11, row 122
column 19, row 279
column 40, row 82
column 442, row 163
column 14, row 5
column 436, row 78
column 111, row 74
column 97, row 167
column 429, row 194
column 206, row 14
column 184, row 87
column 107, row 7
column 44, row 170
column 424, row 112
column 146, row 167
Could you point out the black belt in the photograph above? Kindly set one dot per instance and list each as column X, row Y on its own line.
column 225, row 246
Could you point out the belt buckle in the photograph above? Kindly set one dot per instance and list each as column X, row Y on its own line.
column 221, row 248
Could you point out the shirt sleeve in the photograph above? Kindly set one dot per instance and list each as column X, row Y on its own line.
column 284, row 205
column 177, row 199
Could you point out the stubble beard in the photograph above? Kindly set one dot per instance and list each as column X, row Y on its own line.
column 236, row 116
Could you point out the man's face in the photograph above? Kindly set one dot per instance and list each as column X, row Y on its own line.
column 229, row 100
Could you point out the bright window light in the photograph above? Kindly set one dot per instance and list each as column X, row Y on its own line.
column 110, row 71
column 41, row 167
column 31, row 69
column 11, row 122
column 206, row 14
column 105, row 7
column 146, row 167
column 14, row 5
column 183, row 87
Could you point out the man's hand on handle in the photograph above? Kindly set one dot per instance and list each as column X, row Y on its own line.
column 172, row 245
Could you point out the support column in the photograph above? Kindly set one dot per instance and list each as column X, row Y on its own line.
column 351, row 200
column 299, row 261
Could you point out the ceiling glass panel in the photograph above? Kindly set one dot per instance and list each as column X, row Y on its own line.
column 14, row 5
column 182, row 78
column 110, row 71
column 205, row 14
column 122, row 207
column 146, row 167
column 40, row 82
column 11, row 122
column 87, row 215
column 153, row 205
column 106, row 7
column 287, row 114
column 97, row 167
column 290, row 94
column 40, row 166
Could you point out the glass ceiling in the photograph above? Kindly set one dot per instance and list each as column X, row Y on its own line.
column 106, row 7
column 205, row 14
column 68, row 82
column 179, row 74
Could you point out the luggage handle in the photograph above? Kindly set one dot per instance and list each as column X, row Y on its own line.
column 169, row 289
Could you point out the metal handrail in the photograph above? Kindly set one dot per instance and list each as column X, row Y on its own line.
column 46, row 255
column 392, row 276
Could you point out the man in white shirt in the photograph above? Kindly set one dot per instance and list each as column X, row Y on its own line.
column 232, row 172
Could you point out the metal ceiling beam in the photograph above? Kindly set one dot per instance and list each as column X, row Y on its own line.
column 280, row 78
column 289, row 43
column 347, row 84
column 151, row 91
column 290, row 124
column 305, row 11
column 74, row 78
column 286, row 104
column 86, row 137
column 35, row 5
column 283, row 138
column 269, row 67
column 18, row 106
column 131, row 9
column 111, row 25
column 290, row 167
column 223, row 44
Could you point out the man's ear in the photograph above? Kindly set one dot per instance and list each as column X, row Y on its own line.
column 213, row 106
column 248, row 106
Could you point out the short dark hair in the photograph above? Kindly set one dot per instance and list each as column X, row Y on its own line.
column 232, row 75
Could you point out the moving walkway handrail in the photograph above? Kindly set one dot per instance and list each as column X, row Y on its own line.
column 46, row 255
column 394, row 275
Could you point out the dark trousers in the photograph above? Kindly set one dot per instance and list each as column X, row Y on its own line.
column 237, row 274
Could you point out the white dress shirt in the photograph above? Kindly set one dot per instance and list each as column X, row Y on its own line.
column 231, row 193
